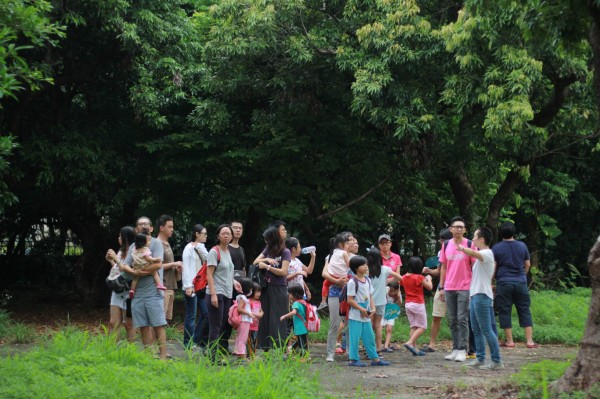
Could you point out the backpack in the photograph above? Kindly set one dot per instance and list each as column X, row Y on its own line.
column 344, row 305
column 235, row 318
column 312, row 322
column 200, row 281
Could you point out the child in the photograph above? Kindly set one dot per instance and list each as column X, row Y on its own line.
column 296, row 295
column 362, row 306
column 392, row 311
column 142, row 257
column 413, row 283
column 297, row 270
column 337, row 265
column 379, row 275
column 245, row 310
column 256, row 309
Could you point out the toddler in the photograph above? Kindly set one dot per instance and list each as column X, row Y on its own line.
column 142, row 257
column 413, row 283
column 392, row 312
column 297, row 271
column 245, row 310
column 296, row 295
column 257, row 311
column 337, row 263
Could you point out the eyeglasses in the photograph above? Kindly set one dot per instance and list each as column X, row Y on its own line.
column 237, row 228
column 144, row 224
column 458, row 227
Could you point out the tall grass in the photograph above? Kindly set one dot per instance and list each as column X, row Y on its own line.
column 75, row 364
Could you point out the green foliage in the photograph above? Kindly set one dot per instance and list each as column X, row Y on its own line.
column 4, row 323
column 21, row 333
column 75, row 364
column 534, row 379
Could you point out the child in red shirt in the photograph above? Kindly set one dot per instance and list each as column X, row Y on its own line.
column 413, row 283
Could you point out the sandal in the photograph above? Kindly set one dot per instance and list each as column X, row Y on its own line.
column 507, row 345
column 428, row 349
column 533, row 346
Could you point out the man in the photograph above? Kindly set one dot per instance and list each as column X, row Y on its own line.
column 147, row 307
column 171, row 269
column 238, row 257
column 388, row 258
column 512, row 266
column 455, row 280
column 439, row 307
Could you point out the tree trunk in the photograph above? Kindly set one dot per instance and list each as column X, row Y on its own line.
column 585, row 370
column 503, row 195
column 463, row 193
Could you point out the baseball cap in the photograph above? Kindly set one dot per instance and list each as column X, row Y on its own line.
column 384, row 237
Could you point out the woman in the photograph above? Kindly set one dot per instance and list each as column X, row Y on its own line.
column 275, row 259
column 119, row 315
column 193, row 258
column 219, row 276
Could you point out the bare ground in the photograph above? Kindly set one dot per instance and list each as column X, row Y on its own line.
column 408, row 376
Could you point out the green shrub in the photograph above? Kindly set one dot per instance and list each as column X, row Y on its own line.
column 4, row 323
column 21, row 333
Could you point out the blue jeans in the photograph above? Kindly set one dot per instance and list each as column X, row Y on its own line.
column 472, row 346
column 196, row 331
column 482, row 328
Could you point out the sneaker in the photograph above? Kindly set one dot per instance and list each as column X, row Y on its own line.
column 380, row 362
column 461, row 356
column 475, row 363
column 452, row 356
column 329, row 358
column 471, row 355
column 322, row 306
column 357, row 363
column 492, row 366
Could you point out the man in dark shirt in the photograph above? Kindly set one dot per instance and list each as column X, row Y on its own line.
column 512, row 266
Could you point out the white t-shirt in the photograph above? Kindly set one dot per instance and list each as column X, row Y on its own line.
column 337, row 266
column 379, row 286
column 245, row 317
column 481, row 282
column 296, row 266
column 362, row 296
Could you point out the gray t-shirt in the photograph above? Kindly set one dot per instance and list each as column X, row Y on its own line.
column 223, row 277
column 146, row 287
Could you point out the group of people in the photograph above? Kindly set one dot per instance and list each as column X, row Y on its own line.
column 369, row 285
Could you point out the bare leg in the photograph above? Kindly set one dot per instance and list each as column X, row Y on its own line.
column 156, row 278
column 378, row 332
column 414, row 336
column 161, row 338
column 116, row 318
column 388, row 335
column 509, row 337
column 528, row 335
column 130, row 329
column 436, row 324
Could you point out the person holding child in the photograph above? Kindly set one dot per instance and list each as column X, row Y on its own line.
column 362, row 306
column 414, row 283
column 142, row 258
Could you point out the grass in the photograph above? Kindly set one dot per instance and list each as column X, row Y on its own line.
column 74, row 364
column 558, row 318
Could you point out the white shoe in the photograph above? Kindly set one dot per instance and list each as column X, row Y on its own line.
column 452, row 356
column 461, row 356
column 329, row 358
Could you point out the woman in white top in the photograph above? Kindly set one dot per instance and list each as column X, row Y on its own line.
column 482, row 300
column 194, row 257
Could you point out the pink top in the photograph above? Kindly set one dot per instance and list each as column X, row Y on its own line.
column 458, row 267
column 393, row 262
column 254, row 308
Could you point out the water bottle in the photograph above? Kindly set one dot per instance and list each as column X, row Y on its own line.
column 307, row 250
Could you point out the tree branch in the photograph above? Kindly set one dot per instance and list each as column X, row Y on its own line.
column 551, row 109
column 356, row 200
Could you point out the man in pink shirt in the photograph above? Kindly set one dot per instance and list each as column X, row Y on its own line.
column 388, row 258
column 455, row 281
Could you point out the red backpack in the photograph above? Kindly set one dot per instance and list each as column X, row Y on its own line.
column 200, row 281
column 235, row 318
column 312, row 322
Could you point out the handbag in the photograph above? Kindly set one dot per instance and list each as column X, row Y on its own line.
column 258, row 275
